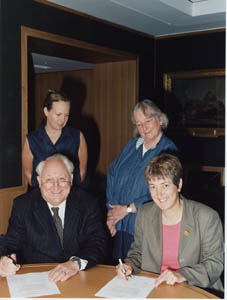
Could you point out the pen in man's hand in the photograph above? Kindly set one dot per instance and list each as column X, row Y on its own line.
column 123, row 268
column 14, row 261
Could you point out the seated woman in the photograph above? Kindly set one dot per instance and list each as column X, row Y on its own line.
column 179, row 238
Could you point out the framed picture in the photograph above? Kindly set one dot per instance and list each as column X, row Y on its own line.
column 196, row 173
column 195, row 102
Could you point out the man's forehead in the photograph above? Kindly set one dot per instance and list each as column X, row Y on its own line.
column 54, row 166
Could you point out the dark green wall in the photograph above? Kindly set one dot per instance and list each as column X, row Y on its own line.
column 196, row 52
column 42, row 17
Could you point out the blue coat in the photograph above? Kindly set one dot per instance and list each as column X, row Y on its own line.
column 126, row 182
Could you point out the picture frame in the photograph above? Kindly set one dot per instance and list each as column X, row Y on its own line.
column 195, row 102
column 195, row 172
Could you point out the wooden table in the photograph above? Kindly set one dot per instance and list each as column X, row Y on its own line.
column 87, row 283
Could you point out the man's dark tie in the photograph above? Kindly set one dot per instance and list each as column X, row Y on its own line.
column 58, row 223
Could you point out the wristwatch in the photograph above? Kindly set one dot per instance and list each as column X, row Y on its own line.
column 129, row 209
column 76, row 259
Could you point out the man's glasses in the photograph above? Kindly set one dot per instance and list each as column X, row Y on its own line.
column 52, row 182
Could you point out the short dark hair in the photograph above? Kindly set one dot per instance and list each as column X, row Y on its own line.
column 54, row 96
column 165, row 165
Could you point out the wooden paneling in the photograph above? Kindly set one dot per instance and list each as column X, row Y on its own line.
column 115, row 98
column 90, row 54
column 6, row 201
column 110, row 94
column 44, row 82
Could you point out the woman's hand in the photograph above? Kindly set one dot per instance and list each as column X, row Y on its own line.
column 122, row 275
column 117, row 213
column 111, row 226
column 170, row 277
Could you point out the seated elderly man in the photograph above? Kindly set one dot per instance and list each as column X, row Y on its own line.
column 54, row 223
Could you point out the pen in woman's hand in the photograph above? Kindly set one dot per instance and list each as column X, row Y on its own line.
column 123, row 268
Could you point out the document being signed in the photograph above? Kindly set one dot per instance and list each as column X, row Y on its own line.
column 135, row 287
column 31, row 285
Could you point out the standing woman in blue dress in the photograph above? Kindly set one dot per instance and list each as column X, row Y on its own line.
column 55, row 137
column 126, row 185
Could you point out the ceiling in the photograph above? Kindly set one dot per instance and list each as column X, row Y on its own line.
column 157, row 18
column 45, row 64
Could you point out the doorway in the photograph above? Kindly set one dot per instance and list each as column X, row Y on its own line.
column 102, row 97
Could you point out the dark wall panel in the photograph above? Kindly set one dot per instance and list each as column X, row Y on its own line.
column 46, row 18
column 203, row 51
column 187, row 53
column 196, row 52
column 173, row 54
column 10, row 104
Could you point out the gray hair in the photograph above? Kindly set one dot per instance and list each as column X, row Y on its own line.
column 146, row 105
column 69, row 165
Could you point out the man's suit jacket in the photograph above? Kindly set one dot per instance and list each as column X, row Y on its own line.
column 32, row 232
column 200, row 248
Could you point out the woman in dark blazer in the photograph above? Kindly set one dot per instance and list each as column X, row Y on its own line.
column 179, row 238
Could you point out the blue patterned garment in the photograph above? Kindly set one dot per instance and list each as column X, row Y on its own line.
column 126, row 184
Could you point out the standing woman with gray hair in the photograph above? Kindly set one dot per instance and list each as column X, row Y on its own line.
column 126, row 186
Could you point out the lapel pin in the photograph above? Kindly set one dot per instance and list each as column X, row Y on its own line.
column 186, row 233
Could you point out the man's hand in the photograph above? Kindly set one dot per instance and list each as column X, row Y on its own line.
column 7, row 266
column 170, row 277
column 63, row 271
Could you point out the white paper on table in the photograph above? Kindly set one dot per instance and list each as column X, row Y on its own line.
column 134, row 287
column 31, row 285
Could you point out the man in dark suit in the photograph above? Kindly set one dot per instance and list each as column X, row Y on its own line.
column 34, row 233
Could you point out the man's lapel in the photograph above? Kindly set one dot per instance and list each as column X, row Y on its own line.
column 72, row 218
column 43, row 217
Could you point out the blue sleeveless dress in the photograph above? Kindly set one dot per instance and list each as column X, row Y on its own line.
column 41, row 147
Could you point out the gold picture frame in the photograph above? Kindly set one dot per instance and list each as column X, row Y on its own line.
column 195, row 102
column 189, row 169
